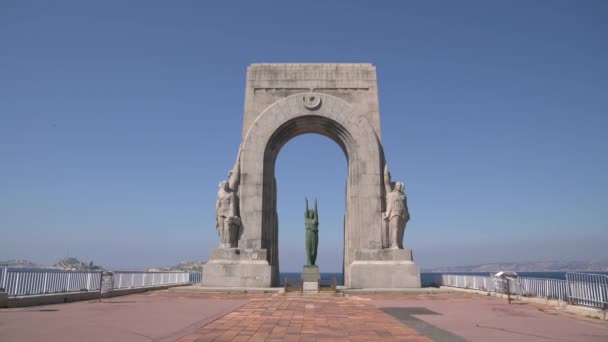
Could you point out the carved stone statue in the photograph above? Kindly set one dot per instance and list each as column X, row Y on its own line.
column 311, row 220
column 228, row 221
column 396, row 215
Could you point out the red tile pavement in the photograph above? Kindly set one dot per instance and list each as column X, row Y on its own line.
column 281, row 318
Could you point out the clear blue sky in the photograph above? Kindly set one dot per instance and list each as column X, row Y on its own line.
column 118, row 119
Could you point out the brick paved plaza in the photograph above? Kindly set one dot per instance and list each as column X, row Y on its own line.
column 165, row 316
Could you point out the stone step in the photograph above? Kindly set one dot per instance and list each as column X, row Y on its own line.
column 312, row 294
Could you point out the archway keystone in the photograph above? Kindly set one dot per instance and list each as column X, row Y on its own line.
column 283, row 101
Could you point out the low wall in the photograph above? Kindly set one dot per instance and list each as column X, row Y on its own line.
column 68, row 297
column 561, row 305
column 3, row 299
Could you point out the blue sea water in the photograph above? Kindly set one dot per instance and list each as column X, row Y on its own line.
column 425, row 277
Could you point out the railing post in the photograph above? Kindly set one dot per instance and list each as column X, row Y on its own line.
column 143, row 280
column 46, row 277
column 88, row 281
column 101, row 285
column 568, row 290
column 132, row 278
column 5, row 278
column 17, row 283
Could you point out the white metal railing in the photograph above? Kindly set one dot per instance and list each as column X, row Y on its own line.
column 578, row 288
column 196, row 277
column 34, row 282
column 24, row 283
column 473, row 282
column 588, row 289
column 124, row 280
column 543, row 288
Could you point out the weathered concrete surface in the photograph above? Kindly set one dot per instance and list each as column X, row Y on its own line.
column 135, row 318
column 387, row 274
column 3, row 299
column 235, row 267
column 310, row 278
column 558, row 304
column 479, row 318
column 311, row 273
column 339, row 101
column 385, row 268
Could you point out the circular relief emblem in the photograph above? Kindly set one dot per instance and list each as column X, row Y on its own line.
column 311, row 101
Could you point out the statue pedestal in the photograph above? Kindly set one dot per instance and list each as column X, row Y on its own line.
column 384, row 268
column 310, row 279
column 233, row 267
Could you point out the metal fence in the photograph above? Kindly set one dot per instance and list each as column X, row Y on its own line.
column 464, row 281
column 588, row 289
column 34, row 282
column 23, row 283
column 196, row 277
column 124, row 280
column 578, row 288
column 544, row 288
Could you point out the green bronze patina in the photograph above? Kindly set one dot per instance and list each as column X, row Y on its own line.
column 311, row 220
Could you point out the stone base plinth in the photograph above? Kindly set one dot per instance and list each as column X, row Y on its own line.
column 233, row 267
column 310, row 278
column 384, row 268
column 310, row 286
column 311, row 273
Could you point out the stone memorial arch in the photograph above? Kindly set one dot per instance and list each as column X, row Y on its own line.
column 282, row 101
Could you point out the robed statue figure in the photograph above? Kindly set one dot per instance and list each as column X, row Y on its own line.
column 311, row 220
column 227, row 218
column 396, row 215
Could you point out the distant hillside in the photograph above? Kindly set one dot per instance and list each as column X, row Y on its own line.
column 532, row 266
column 73, row 264
column 66, row 264
column 186, row 266
column 19, row 263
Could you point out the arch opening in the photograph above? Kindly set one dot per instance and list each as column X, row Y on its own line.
column 309, row 124
column 312, row 166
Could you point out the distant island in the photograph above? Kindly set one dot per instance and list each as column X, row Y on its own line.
column 184, row 266
column 73, row 264
column 530, row 266
column 65, row 264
